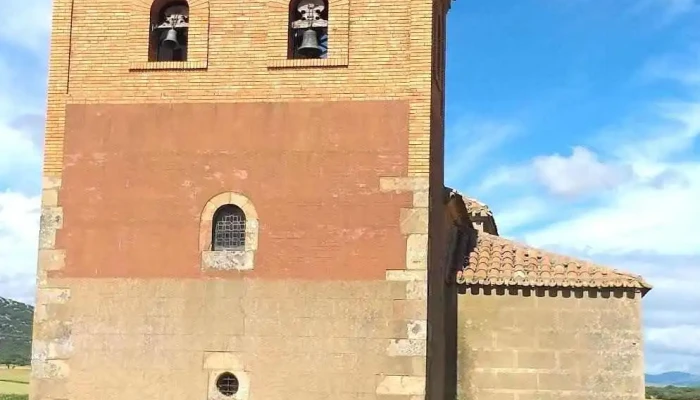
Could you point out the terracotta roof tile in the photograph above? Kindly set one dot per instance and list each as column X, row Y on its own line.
column 499, row 261
column 476, row 208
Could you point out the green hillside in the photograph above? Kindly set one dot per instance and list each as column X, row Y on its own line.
column 15, row 332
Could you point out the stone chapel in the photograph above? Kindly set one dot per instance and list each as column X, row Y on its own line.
column 245, row 200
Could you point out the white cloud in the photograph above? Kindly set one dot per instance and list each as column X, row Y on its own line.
column 20, row 149
column 628, row 199
column 19, row 227
column 520, row 212
column 682, row 339
column 23, row 50
column 677, row 7
column 26, row 24
column 18, row 154
column 638, row 218
column 672, row 67
column 653, row 209
column 665, row 10
column 578, row 174
column 472, row 139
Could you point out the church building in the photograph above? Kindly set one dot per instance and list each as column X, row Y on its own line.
column 246, row 201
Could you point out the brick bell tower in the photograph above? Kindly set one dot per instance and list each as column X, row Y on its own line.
column 238, row 199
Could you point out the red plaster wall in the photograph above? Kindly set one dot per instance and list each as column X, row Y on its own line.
column 136, row 178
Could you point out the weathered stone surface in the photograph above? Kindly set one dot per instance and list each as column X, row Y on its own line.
column 417, row 329
column 51, row 220
column 417, row 290
column 50, row 369
column 56, row 349
column 222, row 360
column 50, row 182
column 414, row 220
column 417, row 251
column 52, row 295
column 228, row 260
column 404, row 184
column 306, row 337
column 49, row 198
column 51, row 260
column 404, row 275
column 421, row 198
column 548, row 346
column 407, row 347
column 401, row 385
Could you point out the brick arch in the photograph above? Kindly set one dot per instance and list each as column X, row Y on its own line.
column 198, row 47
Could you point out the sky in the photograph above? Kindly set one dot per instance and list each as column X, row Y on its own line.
column 576, row 121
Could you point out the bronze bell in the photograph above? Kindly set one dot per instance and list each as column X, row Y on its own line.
column 170, row 40
column 309, row 45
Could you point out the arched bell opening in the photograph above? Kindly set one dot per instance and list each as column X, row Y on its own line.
column 308, row 29
column 169, row 25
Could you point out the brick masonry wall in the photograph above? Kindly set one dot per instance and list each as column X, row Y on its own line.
column 93, row 51
column 94, row 59
column 550, row 344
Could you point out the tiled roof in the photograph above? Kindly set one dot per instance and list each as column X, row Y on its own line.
column 498, row 261
column 474, row 207
column 477, row 208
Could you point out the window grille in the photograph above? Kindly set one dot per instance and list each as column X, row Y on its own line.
column 229, row 228
column 227, row 384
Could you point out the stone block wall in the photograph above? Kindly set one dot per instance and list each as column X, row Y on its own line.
column 523, row 344
column 169, row 338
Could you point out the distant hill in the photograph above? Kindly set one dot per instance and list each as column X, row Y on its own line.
column 15, row 332
column 673, row 378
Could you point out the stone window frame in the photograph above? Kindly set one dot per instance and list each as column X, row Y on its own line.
column 140, row 36
column 219, row 362
column 228, row 260
column 277, row 41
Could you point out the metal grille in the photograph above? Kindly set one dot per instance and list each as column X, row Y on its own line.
column 227, row 384
column 229, row 228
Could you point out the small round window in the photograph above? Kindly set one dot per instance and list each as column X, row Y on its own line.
column 227, row 384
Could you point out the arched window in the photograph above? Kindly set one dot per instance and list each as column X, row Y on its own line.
column 308, row 29
column 228, row 231
column 169, row 24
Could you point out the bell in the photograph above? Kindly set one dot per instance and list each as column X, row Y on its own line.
column 309, row 45
column 170, row 40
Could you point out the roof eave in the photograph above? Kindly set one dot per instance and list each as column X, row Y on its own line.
column 637, row 283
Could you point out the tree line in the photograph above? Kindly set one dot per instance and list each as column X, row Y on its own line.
column 12, row 360
column 673, row 393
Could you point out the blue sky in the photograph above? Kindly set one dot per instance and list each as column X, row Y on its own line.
column 577, row 121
